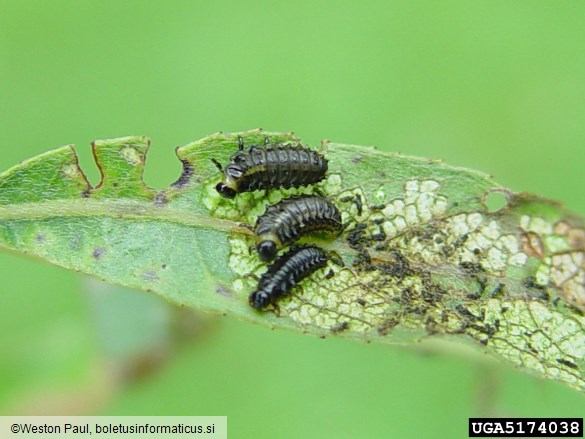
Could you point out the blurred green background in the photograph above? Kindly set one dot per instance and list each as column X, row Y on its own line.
column 497, row 86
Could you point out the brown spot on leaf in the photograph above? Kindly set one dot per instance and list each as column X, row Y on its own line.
column 562, row 228
column 575, row 235
column 98, row 252
column 568, row 273
column 577, row 238
column 532, row 245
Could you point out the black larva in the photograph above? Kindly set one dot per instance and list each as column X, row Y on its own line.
column 285, row 222
column 287, row 271
column 270, row 166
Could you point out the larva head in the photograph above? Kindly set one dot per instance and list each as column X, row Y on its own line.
column 266, row 250
column 225, row 190
column 259, row 299
column 229, row 186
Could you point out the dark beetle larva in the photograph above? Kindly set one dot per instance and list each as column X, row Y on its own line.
column 270, row 166
column 287, row 271
column 285, row 222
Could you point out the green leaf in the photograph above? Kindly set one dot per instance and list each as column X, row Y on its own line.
column 426, row 255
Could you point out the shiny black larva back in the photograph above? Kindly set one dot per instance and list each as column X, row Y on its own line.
column 287, row 271
column 278, row 165
column 285, row 222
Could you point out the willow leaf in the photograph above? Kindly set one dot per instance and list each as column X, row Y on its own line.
column 425, row 256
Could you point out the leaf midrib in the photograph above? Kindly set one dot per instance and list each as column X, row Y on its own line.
column 121, row 209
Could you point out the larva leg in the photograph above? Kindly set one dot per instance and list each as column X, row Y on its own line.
column 217, row 164
column 336, row 259
column 346, row 199
column 252, row 276
column 319, row 192
column 246, row 226
column 276, row 309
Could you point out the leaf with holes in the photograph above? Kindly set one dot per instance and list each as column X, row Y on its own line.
column 424, row 255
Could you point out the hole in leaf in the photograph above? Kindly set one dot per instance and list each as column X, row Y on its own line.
column 495, row 201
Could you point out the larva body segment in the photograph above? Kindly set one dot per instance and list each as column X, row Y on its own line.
column 271, row 166
column 286, row 272
column 284, row 223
